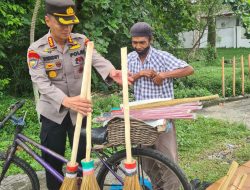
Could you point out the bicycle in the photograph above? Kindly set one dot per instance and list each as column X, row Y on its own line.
column 110, row 174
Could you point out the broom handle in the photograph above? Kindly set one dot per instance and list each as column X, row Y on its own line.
column 86, row 73
column 172, row 102
column 125, row 103
column 88, row 126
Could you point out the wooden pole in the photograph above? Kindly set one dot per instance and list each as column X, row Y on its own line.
column 223, row 77
column 230, row 174
column 234, row 76
column 249, row 66
column 242, row 76
column 32, row 39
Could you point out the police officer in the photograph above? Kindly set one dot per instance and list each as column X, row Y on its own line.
column 56, row 66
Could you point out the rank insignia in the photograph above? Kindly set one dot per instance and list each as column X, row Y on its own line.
column 52, row 74
column 51, row 42
column 70, row 40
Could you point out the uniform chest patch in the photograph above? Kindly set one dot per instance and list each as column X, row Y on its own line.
column 52, row 74
column 50, row 58
column 79, row 60
column 74, row 54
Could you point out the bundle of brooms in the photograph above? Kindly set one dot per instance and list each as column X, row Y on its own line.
column 89, row 181
column 131, row 181
column 70, row 180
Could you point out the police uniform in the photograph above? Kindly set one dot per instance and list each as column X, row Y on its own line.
column 58, row 73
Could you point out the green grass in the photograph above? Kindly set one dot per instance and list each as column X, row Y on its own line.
column 204, row 147
column 207, row 78
column 200, row 141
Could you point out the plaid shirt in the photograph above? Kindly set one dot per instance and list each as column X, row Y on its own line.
column 160, row 61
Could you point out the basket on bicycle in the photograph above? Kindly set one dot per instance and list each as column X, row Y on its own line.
column 141, row 133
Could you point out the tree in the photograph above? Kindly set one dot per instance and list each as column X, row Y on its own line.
column 12, row 18
column 242, row 9
column 206, row 20
column 106, row 22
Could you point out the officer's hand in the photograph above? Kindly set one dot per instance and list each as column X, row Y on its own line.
column 78, row 104
column 116, row 75
column 150, row 73
column 158, row 79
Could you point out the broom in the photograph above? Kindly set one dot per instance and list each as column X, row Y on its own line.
column 131, row 181
column 89, row 181
column 70, row 180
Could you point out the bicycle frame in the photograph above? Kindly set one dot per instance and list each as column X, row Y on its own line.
column 23, row 141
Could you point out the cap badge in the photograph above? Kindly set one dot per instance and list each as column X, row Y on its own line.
column 70, row 11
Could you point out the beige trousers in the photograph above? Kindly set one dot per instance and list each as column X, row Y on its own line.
column 162, row 177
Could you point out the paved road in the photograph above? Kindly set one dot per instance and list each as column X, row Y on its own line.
column 236, row 111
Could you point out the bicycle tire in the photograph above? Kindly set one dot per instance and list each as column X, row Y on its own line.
column 26, row 178
column 157, row 156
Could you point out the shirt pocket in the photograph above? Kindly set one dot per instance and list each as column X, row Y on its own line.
column 54, row 69
column 78, row 63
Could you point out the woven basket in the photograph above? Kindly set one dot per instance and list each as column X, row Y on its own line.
column 141, row 133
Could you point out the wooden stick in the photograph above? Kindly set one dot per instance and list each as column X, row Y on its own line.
column 87, row 67
column 125, row 103
column 249, row 66
column 242, row 76
column 172, row 102
column 223, row 77
column 234, row 63
column 89, row 121
column 224, row 184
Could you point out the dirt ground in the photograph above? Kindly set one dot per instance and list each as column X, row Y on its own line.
column 235, row 111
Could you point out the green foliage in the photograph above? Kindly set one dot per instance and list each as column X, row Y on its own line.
column 14, row 40
column 210, row 54
column 242, row 9
column 3, row 83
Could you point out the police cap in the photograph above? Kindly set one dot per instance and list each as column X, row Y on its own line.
column 62, row 10
column 141, row 29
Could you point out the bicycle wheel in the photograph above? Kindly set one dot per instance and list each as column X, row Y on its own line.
column 20, row 176
column 169, row 177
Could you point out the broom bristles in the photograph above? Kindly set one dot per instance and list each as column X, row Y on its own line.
column 89, row 181
column 131, row 181
column 69, row 184
column 70, row 180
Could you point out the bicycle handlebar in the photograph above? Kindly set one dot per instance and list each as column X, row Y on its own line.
column 14, row 108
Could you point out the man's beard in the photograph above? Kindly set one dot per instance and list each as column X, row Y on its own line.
column 142, row 52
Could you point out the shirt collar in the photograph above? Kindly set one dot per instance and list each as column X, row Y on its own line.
column 52, row 42
column 148, row 56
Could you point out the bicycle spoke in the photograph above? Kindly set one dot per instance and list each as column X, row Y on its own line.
column 153, row 174
column 18, row 177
